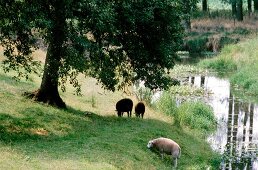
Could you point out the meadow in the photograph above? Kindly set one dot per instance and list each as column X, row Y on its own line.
column 88, row 135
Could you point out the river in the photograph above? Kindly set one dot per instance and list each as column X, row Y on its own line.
column 236, row 137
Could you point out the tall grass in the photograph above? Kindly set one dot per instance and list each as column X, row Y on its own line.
column 241, row 61
column 197, row 115
column 193, row 114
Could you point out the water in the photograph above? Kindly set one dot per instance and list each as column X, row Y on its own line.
column 236, row 137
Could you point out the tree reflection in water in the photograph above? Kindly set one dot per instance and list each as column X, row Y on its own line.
column 236, row 137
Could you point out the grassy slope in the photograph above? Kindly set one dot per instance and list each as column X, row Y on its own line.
column 242, row 61
column 37, row 136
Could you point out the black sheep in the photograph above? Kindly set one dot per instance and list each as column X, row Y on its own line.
column 124, row 105
column 139, row 109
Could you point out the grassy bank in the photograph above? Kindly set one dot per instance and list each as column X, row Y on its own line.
column 194, row 114
column 88, row 135
column 241, row 61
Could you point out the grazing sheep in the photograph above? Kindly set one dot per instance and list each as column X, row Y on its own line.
column 139, row 109
column 168, row 146
column 124, row 105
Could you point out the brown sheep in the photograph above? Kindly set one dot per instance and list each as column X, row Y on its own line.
column 168, row 146
column 139, row 109
column 124, row 105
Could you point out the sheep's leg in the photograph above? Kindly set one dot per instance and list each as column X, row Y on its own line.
column 119, row 114
column 175, row 162
column 162, row 154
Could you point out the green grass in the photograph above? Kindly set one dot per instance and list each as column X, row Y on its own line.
column 195, row 115
column 241, row 61
column 88, row 135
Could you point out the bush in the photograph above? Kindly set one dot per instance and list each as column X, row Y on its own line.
column 144, row 94
column 197, row 45
column 219, row 64
column 167, row 104
column 195, row 115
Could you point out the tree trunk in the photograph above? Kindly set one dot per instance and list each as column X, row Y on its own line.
column 48, row 91
column 204, row 5
column 249, row 7
column 255, row 5
column 234, row 9
column 239, row 10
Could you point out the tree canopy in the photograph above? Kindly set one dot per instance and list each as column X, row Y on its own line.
column 117, row 42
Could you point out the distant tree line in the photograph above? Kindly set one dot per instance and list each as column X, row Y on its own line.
column 237, row 7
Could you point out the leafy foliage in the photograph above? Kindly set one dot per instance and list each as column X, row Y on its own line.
column 117, row 42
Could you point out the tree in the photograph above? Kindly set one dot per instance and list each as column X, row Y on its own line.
column 188, row 7
column 255, row 5
column 239, row 14
column 204, row 5
column 234, row 8
column 117, row 42
column 249, row 7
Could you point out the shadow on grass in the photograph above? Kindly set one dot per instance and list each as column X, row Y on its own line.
column 71, row 133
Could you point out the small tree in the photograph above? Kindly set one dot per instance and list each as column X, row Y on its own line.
column 117, row 42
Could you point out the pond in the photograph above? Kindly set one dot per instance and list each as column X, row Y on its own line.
column 236, row 137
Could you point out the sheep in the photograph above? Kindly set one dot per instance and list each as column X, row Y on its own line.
column 168, row 146
column 124, row 105
column 139, row 109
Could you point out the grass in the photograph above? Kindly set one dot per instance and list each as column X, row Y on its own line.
column 88, row 135
column 194, row 114
column 241, row 62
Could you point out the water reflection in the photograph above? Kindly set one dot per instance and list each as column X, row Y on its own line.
column 237, row 136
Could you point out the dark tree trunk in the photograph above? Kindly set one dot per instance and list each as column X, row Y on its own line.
column 249, row 7
column 234, row 9
column 48, row 91
column 204, row 5
column 239, row 15
column 255, row 5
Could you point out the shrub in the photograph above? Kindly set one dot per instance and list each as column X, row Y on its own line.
column 144, row 94
column 219, row 64
column 197, row 45
column 167, row 104
column 196, row 115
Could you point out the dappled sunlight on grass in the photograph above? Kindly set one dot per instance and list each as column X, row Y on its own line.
column 88, row 134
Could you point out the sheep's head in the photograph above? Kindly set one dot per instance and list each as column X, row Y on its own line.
column 150, row 144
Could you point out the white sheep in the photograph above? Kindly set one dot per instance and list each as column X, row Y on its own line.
column 168, row 146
